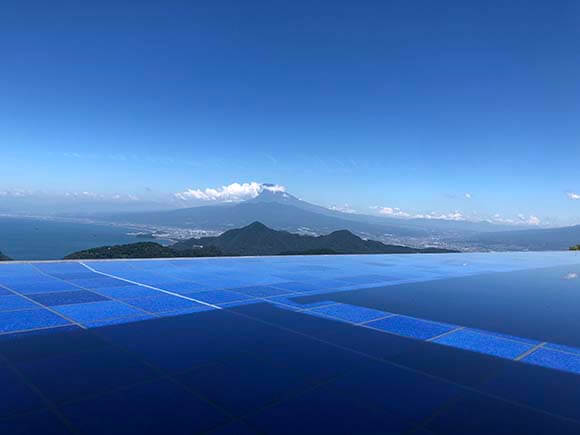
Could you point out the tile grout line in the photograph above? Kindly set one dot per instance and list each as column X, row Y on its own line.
column 62, row 316
column 150, row 287
column 42, row 328
column 89, row 290
column 320, row 306
column 374, row 320
column 459, row 328
column 530, row 351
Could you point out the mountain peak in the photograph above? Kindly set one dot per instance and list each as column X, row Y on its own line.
column 258, row 239
column 255, row 226
column 273, row 193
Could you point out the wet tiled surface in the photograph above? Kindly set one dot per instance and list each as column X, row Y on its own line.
column 410, row 344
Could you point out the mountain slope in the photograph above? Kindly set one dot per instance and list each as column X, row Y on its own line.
column 282, row 211
column 258, row 239
column 4, row 257
column 140, row 250
column 274, row 214
column 533, row 240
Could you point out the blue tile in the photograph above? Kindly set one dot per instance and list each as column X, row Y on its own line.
column 261, row 291
column 368, row 279
column 29, row 319
column 3, row 292
column 119, row 321
column 67, row 298
column 483, row 343
column 101, row 281
column 162, row 302
column 44, row 287
column 97, row 311
column 70, row 276
column 555, row 360
column 62, row 268
column 294, row 308
column 563, row 348
column 511, row 337
column 185, row 311
column 350, row 313
column 219, row 283
column 12, row 303
column 283, row 300
column 127, row 292
column 298, row 287
column 218, row 296
column 294, row 276
column 329, row 284
column 411, row 327
column 240, row 303
column 182, row 287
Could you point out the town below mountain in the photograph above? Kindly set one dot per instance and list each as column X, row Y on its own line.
column 254, row 239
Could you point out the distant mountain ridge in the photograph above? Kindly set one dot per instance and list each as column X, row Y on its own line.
column 258, row 239
column 281, row 210
column 4, row 257
column 278, row 215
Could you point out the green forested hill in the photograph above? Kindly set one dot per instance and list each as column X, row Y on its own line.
column 258, row 239
column 141, row 250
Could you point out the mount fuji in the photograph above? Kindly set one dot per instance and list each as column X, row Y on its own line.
column 280, row 210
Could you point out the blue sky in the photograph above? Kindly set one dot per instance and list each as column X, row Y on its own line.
column 405, row 105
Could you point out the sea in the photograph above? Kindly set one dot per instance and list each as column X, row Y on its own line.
column 43, row 239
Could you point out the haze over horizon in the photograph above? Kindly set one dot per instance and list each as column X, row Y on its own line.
column 394, row 109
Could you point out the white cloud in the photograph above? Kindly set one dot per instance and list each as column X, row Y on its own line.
column 453, row 216
column 344, row 208
column 499, row 219
column 571, row 275
column 529, row 220
column 397, row 212
column 468, row 195
column 534, row 220
column 16, row 193
column 391, row 211
column 229, row 193
column 573, row 195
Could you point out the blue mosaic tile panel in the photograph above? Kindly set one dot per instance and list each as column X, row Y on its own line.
column 66, row 298
column 350, row 313
column 218, row 296
column 12, row 303
column 555, row 360
column 411, row 327
column 97, row 311
column 12, row 321
column 162, row 302
column 484, row 343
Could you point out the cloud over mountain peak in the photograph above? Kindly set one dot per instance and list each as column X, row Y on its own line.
column 229, row 193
